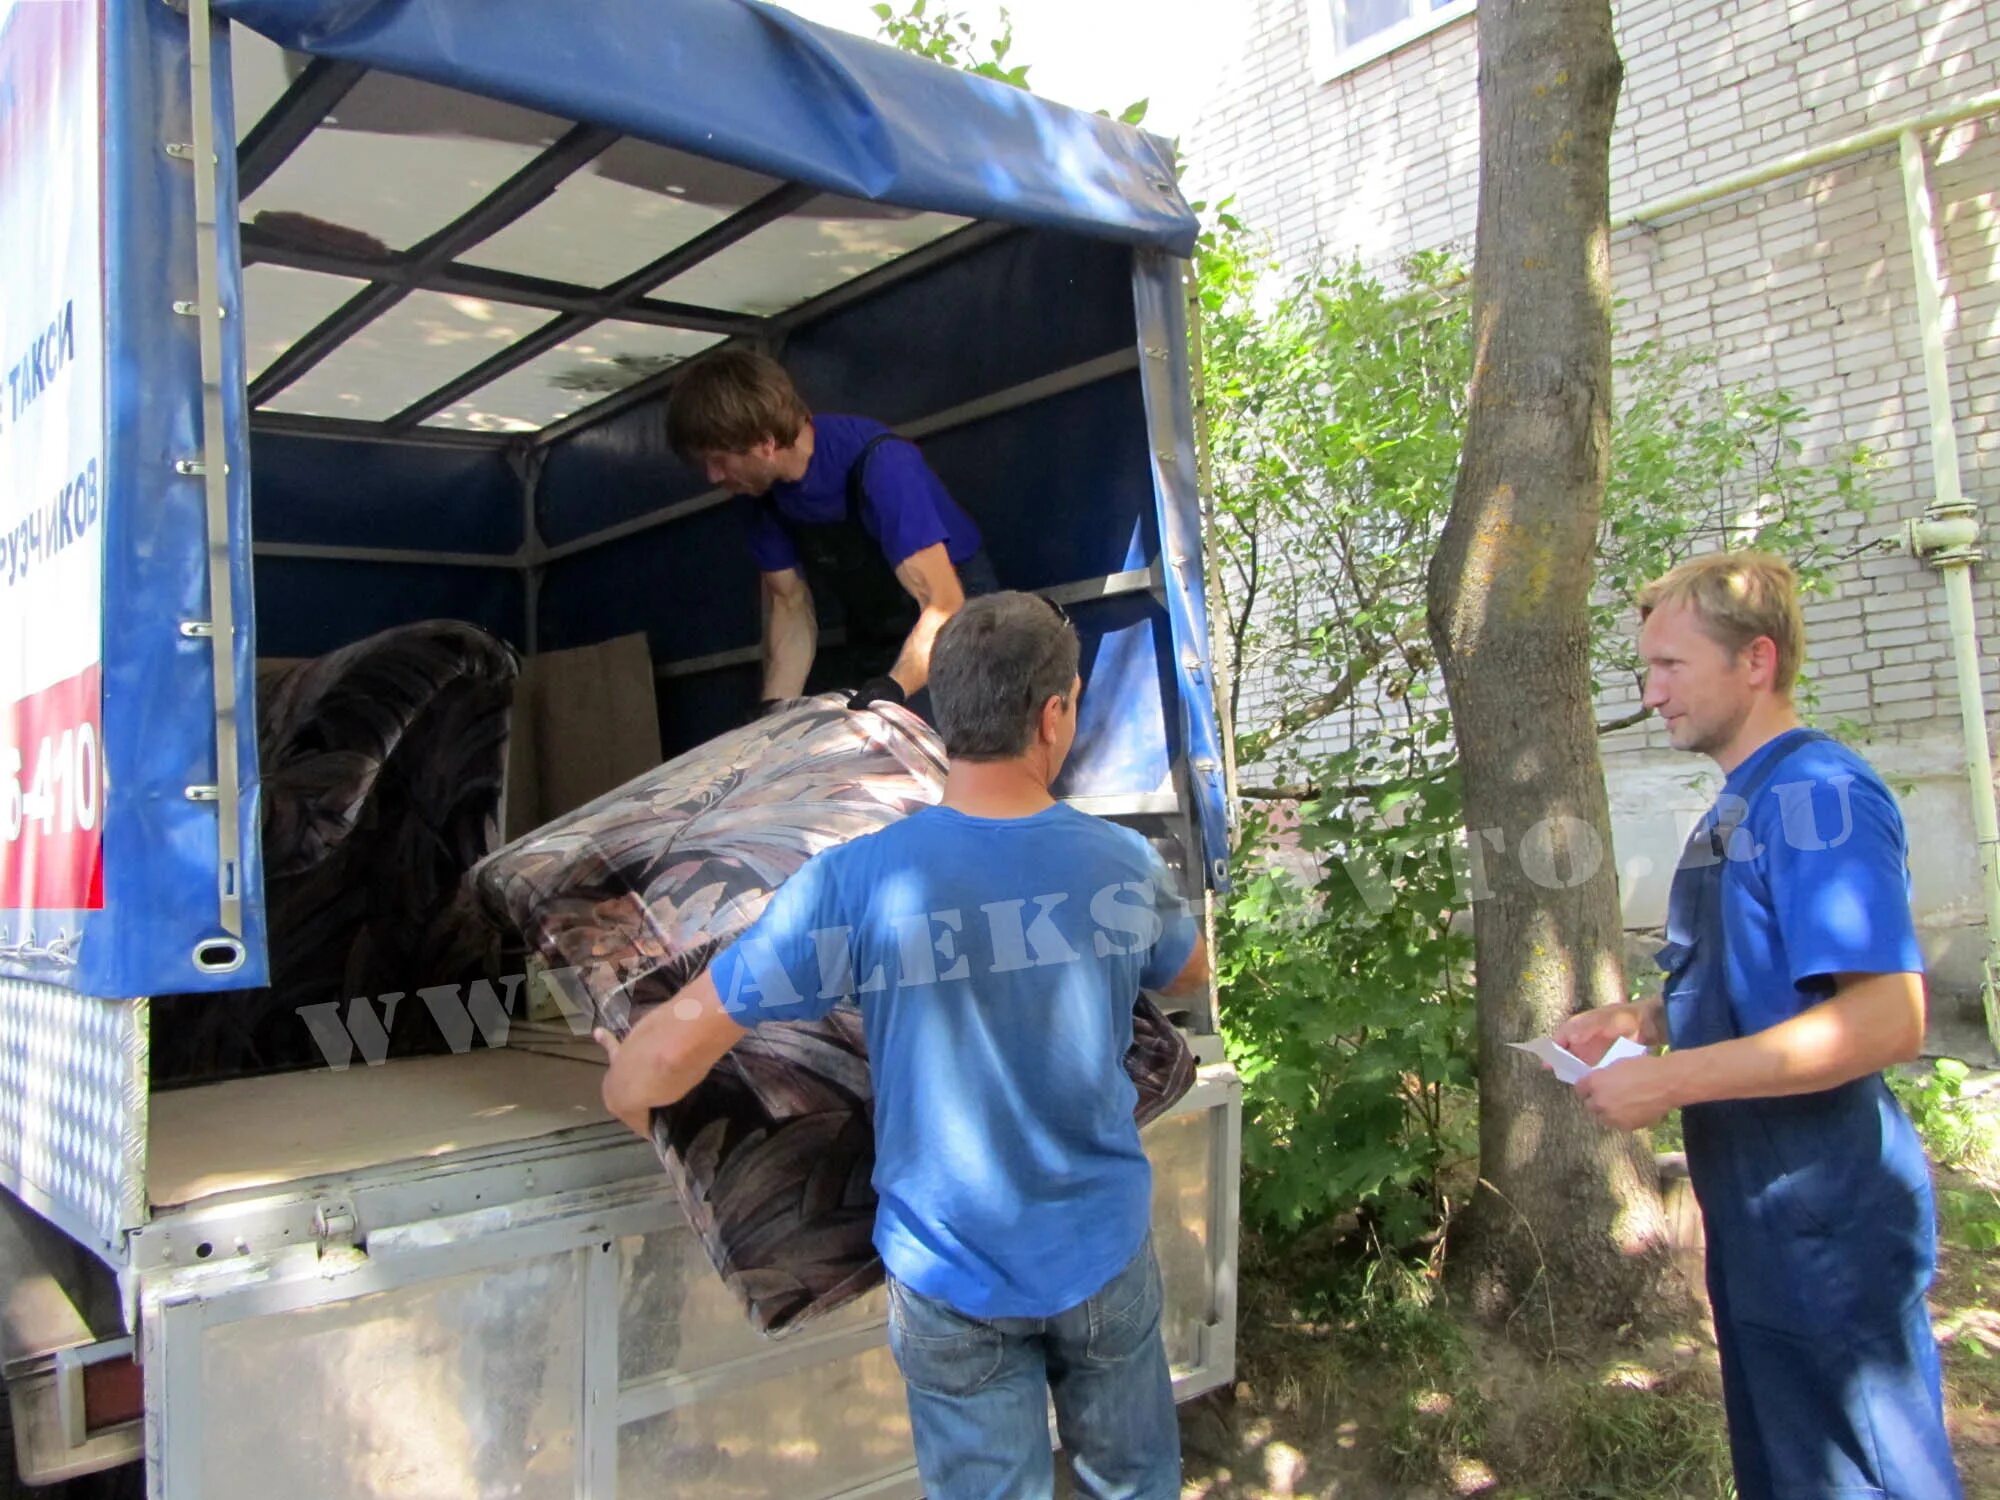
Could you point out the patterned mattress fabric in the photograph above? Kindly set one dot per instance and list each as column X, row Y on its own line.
column 382, row 765
column 633, row 894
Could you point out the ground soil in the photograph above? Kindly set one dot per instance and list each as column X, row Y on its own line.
column 1312, row 1415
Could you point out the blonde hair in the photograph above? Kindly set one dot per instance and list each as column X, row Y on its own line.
column 1738, row 597
column 729, row 402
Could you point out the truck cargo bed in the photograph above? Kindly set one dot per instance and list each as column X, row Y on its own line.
column 298, row 1127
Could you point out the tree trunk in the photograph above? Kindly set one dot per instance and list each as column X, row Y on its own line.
column 1567, row 1223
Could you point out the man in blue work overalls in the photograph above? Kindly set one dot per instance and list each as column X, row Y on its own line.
column 842, row 508
column 1793, row 978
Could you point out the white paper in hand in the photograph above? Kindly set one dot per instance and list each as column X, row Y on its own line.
column 1567, row 1065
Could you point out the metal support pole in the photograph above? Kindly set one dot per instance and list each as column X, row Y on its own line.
column 1946, row 538
column 532, row 557
column 215, row 470
column 1221, row 629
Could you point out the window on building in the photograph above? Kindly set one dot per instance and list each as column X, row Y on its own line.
column 1348, row 33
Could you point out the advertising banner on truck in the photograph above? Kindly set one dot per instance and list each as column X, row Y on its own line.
column 117, row 879
column 51, row 473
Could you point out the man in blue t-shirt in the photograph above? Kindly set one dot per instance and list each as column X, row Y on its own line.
column 995, row 944
column 840, row 507
column 1793, row 979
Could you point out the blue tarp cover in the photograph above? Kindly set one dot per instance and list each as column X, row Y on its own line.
column 751, row 84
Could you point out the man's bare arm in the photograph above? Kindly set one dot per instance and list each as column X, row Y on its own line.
column 791, row 633
column 1193, row 977
column 668, row 1053
column 933, row 582
column 1870, row 1022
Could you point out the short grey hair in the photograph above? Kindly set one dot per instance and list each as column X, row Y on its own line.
column 993, row 666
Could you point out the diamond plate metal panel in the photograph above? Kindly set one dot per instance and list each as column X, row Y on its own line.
column 73, row 1109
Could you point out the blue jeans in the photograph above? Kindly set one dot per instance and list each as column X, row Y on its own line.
column 979, row 1392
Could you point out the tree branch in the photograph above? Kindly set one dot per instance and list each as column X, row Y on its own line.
column 1316, row 708
column 1346, row 791
column 1331, row 701
column 1637, row 716
column 1239, row 637
column 1298, row 791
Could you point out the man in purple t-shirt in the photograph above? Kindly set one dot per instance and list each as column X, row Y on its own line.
column 841, row 506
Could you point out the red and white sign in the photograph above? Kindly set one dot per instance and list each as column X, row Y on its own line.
column 51, row 456
column 52, row 798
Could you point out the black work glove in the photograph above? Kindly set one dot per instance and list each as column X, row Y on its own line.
column 879, row 690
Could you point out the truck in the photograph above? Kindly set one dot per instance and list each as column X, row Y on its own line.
column 325, row 317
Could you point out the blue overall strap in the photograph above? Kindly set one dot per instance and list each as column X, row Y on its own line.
column 1707, row 848
column 857, row 473
column 1740, row 803
column 841, row 560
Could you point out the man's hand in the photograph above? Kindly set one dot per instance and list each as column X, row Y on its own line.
column 1632, row 1094
column 1589, row 1035
column 879, row 690
column 636, row 1117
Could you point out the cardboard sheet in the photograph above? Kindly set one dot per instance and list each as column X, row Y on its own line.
column 585, row 721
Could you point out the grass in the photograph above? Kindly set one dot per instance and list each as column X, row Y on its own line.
column 1631, row 1434
column 1961, row 1130
column 1434, row 1417
column 1435, row 1434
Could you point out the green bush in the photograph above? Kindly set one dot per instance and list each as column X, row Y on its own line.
column 1955, row 1130
column 1347, row 1009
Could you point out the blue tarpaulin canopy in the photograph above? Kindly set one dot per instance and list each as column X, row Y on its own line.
column 753, row 85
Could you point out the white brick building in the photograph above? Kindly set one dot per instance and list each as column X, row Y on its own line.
column 1367, row 144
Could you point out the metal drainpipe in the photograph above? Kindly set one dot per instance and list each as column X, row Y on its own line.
column 1946, row 537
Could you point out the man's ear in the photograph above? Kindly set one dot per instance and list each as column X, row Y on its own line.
column 1763, row 654
column 1048, row 727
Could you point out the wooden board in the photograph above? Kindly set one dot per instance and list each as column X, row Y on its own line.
column 299, row 1127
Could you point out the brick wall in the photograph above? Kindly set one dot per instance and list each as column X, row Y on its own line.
column 1804, row 283
column 1807, row 285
